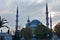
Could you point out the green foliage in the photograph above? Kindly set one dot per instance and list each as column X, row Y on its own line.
column 40, row 31
column 22, row 32
column 49, row 33
column 43, row 32
column 27, row 33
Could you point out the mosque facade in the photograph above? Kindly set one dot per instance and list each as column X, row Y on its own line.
column 33, row 24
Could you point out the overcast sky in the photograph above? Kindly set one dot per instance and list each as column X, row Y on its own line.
column 33, row 8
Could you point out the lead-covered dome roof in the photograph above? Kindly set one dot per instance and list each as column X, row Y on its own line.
column 35, row 22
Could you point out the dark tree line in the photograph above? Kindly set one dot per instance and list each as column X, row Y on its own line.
column 40, row 32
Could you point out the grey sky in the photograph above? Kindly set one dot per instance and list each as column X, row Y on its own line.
column 33, row 8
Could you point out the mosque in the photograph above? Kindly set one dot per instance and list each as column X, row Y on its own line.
column 33, row 24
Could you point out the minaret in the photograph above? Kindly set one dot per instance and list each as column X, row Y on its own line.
column 16, row 30
column 17, row 20
column 50, row 21
column 47, row 18
column 28, row 22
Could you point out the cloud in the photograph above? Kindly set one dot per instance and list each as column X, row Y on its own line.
column 33, row 8
column 32, row 1
column 54, row 5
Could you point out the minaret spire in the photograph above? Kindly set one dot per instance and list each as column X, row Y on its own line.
column 17, row 19
column 28, row 20
column 50, row 21
column 47, row 18
column 16, row 30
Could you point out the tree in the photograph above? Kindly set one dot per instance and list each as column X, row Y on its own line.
column 2, row 22
column 40, row 31
column 22, row 32
column 43, row 32
column 27, row 33
column 49, row 33
column 57, row 29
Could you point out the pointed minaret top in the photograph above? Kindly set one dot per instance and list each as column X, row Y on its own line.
column 46, row 7
column 17, row 19
column 47, row 14
column 50, row 21
column 28, row 19
column 17, row 9
column 50, row 18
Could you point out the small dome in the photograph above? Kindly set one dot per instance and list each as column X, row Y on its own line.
column 35, row 22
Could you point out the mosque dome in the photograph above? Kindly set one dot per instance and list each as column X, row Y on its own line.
column 35, row 22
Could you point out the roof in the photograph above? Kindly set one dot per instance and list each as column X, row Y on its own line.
column 35, row 22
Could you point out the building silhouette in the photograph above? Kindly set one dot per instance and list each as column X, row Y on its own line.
column 17, row 20
column 17, row 32
column 28, row 22
column 47, row 16
column 33, row 24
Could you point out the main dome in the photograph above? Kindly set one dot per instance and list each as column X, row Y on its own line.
column 35, row 22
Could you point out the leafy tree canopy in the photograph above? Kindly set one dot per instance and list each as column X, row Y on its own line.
column 57, row 29
column 2, row 22
column 40, row 31
column 27, row 33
